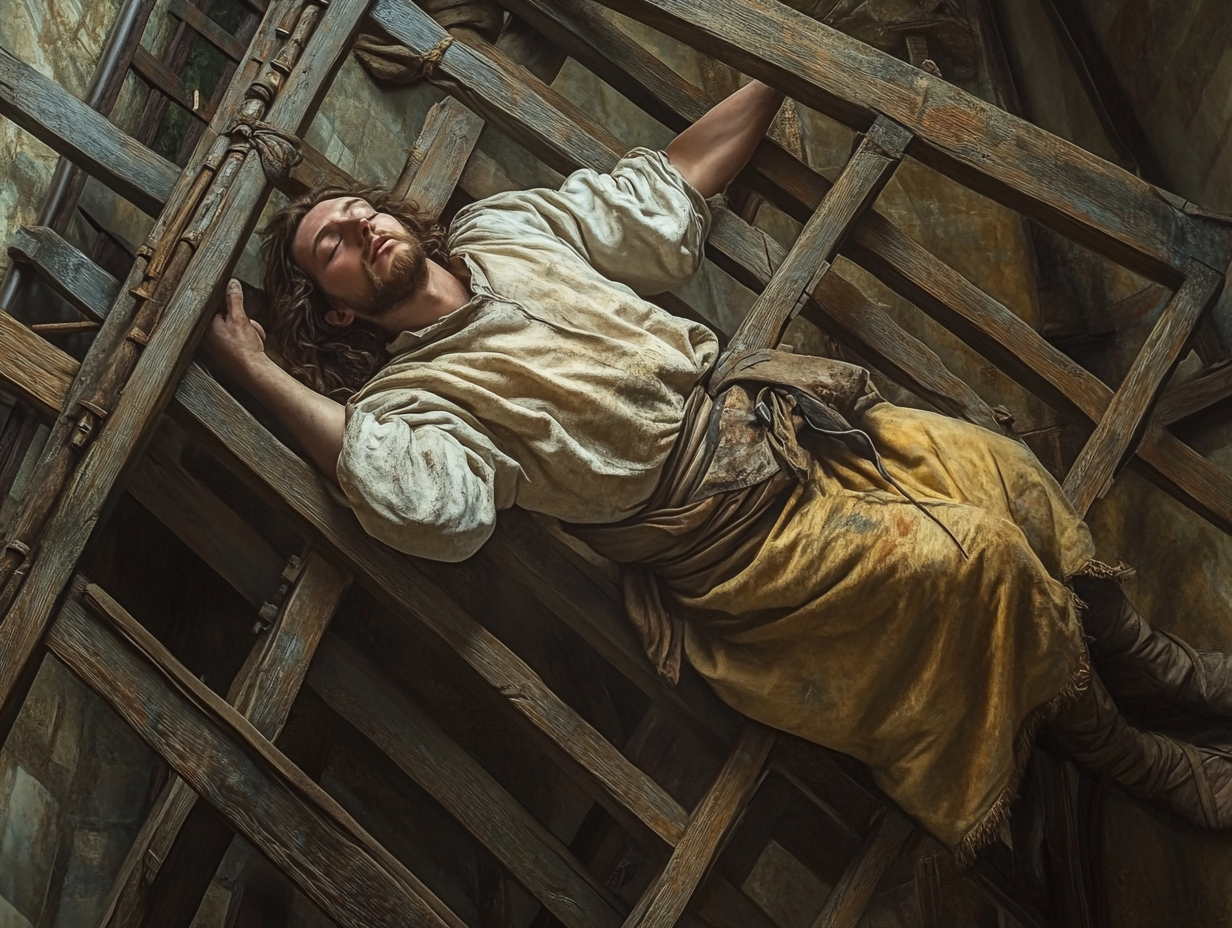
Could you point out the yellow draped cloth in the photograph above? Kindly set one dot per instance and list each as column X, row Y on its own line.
column 861, row 625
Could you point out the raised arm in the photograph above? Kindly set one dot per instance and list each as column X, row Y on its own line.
column 238, row 344
column 713, row 150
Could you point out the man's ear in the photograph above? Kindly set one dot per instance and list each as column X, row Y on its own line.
column 339, row 316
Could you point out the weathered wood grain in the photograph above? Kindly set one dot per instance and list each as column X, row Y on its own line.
column 32, row 368
column 851, row 895
column 1122, row 423
column 66, row 270
column 58, row 119
column 354, row 689
column 1191, row 400
column 439, row 156
column 1047, row 178
column 523, row 547
column 664, row 901
column 863, row 178
column 408, row 592
column 263, row 795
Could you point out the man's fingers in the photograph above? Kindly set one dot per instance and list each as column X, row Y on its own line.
column 235, row 298
column 260, row 329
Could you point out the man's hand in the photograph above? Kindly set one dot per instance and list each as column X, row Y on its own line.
column 238, row 344
column 232, row 339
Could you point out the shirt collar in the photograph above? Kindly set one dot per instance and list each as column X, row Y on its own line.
column 451, row 323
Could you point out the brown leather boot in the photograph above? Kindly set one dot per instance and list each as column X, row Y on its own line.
column 1192, row 782
column 1144, row 666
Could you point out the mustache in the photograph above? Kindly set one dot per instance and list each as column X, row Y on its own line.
column 378, row 241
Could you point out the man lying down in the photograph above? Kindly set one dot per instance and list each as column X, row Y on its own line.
column 929, row 624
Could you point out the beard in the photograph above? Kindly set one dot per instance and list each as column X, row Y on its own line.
column 406, row 276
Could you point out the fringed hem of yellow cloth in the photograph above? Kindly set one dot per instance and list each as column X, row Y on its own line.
column 989, row 827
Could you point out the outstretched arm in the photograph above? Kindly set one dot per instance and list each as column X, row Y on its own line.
column 238, row 344
column 713, row 150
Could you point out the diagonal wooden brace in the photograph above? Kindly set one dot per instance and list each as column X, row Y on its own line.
column 1121, row 427
column 868, row 171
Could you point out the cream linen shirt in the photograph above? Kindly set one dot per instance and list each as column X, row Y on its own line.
column 556, row 388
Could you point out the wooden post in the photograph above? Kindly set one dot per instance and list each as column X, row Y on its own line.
column 1126, row 415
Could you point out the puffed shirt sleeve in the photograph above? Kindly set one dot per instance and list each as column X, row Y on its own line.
column 421, row 480
column 642, row 225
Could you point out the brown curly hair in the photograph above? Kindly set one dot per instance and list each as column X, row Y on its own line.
column 333, row 360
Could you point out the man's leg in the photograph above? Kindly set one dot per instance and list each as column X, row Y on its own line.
column 1143, row 666
column 1192, row 782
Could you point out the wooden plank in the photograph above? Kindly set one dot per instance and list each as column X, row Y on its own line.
column 408, row 592
column 1053, row 181
column 226, row 214
column 32, row 368
column 863, row 178
column 439, row 156
column 1122, row 423
column 213, row 33
column 355, row 690
column 163, row 79
column 58, row 119
column 66, row 270
column 289, row 818
column 850, row 897
column 263, row 692
column 1195, row 398
column 662, row 904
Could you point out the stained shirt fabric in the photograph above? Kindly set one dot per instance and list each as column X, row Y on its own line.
column 557, row 387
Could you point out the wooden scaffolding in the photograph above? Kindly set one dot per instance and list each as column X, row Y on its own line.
column 122, row 419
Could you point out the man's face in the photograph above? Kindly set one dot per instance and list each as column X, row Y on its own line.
column 364, row 261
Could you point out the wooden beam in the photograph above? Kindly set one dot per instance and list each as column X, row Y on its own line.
column 1189, row 401
column 263, row 692
column 265, row 797
column 58, row 119
column 854, row 890
column 408, row 592
column 1053, row 181
column 664, row 901
column 795, row 280
column 439, row 156
column 66, row 270
column 1126, row 415
column 34, row 369
column 354, row 689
